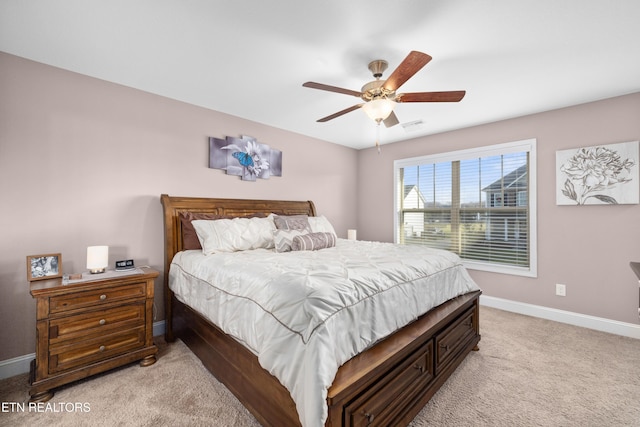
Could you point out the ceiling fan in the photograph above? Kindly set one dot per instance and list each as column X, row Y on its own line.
column 380, row 96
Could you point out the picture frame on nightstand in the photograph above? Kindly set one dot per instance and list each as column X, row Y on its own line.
column 46, row 266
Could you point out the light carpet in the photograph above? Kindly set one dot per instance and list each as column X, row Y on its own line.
column 528, row 372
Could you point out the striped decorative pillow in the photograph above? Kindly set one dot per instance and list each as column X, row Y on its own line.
column 313, row 241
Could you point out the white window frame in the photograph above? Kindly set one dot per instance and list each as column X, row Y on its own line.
column 528, row 145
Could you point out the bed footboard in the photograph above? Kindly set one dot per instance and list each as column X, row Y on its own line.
column 386, row 385
column 392, row 381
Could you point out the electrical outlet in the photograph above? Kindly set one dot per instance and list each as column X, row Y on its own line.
column 561, row 290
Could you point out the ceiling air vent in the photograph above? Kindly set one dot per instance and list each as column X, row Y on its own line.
column 413, row 126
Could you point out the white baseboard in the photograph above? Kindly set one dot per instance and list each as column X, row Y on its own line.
column 21, row 364
column 598, row 323
column 158, row 328
column 16, row 366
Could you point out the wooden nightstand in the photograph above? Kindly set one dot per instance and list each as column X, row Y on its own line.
column 90, row 327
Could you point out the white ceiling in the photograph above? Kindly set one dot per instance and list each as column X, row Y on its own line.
column 249, row 58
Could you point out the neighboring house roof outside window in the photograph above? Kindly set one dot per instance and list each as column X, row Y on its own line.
column 514, row 181
column 411, row 189
column 408, row 188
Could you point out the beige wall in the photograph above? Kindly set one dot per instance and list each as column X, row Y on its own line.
column 83, row 162
column 588, row 248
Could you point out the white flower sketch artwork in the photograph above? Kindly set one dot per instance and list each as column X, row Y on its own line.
column 598, row 175
column 244, row 157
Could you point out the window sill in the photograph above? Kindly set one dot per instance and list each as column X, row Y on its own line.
column 501, row 269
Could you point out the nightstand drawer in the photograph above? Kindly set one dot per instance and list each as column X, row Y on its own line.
column 96, row 322
column 94, row 297
column 75, row 354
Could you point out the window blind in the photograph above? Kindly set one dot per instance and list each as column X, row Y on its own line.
column 476, row 203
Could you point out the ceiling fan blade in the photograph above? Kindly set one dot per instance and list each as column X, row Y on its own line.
column 392, row 120
column 340, row 113
column 450, row 96
column 411, row 65
column 314, row 85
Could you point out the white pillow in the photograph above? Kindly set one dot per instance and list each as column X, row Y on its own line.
column 237, row 234
column 320, row 224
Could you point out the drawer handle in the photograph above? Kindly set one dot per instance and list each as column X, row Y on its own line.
column 445, row 347
column 102, row 348
column 419, row 368
column 103, row 297
column 102, row 321
column 369, row 417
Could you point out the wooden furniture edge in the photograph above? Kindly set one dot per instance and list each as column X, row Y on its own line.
column 45, row 286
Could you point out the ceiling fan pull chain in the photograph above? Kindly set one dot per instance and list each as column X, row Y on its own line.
column 378, row 135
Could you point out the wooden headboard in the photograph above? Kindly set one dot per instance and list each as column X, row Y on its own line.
column 174, row 206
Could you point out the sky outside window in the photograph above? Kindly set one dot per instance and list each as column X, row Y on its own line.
column 434, row 180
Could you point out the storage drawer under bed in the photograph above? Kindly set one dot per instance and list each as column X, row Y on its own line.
column 454, row 338
column 378, row 405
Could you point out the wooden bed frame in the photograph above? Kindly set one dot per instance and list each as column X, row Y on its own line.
column 388, row 384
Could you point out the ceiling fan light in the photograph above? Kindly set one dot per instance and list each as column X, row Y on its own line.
column 379, row 109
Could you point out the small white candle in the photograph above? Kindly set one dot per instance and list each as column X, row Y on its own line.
column 351, row 234
column 97, row 258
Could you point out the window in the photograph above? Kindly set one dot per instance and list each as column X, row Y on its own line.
column 478, row 203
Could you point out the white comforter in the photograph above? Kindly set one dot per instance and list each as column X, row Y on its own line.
column 306, row 313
